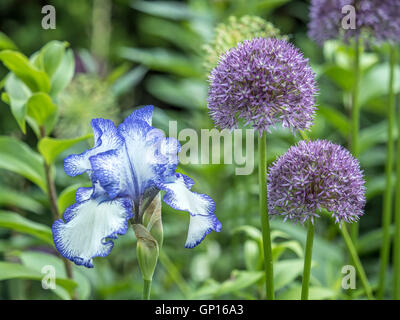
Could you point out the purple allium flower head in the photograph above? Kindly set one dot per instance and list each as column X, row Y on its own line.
column 376, row 20
column 316, row 175
column 263, row 82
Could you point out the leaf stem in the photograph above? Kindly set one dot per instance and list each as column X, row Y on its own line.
column 396, row 251
column 52, row 194
column 266, row 234
column 355, row 117
column 146, row 290
column 388, row 195
column 307, row 261
column 356, row 260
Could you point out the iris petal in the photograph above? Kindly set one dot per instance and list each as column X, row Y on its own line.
column 106, row 137
column 89, row 228
column 200, row 206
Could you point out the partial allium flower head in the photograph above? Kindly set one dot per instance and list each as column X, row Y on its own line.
column 377, row 21
column 262, row 82
column 316, row 175
column 128, row 166
column 235, row 30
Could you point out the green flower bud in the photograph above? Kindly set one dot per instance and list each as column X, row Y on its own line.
column 236, row 30
column 147, row 251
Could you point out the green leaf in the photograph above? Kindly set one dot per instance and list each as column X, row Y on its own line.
column 50, row 148
column 51, row 56
column 12, row 198
column 6, row 42
column 67, row 196
column 17, row 95
column 239, row 281
column 40, row 107
column 186, row 93
column 171, row 9
column 62, row 77
column 163, row 60
column 17, row 157
column 10, row 270
column 128, row 81
column 14, row 221
column 250, row 231
column 286, row 271
column 337, row 119
column 315, row 293
column 19, row 64
column 37, row 260
column 342, row 77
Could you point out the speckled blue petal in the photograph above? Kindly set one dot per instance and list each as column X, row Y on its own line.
column 106, row 137
column 200, row 206
column 89, row 227
column 145, row 114
column 144, row 158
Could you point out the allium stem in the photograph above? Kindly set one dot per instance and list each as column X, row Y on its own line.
column 146, row 290
column 356, row 260
column 262, row 175
column 388, row 195
column 396, row 251
column 355, row 117
column 307, row 261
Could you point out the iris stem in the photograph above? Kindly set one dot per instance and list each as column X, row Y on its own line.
column 146, row 290
column 356, row 260
column 266, row 233
column 396, row 251
column 52, row 194
column 307, row 261
column 355, row 117
column 388, row 195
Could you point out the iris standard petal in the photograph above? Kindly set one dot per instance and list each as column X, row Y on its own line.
column 144, row 114
column 106, row 137
column 89, row 228
column 200, row 206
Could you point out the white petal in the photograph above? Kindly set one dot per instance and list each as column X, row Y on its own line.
column 200, row 206
column 89, row 227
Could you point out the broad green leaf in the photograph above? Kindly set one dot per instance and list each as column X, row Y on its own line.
column 252, row 255
column 239, row 281
column 67, row 196
column 17, row 96
column 371, row 241
column 337, row 119
column 62, row 77
column 9, row 270
column 50, row 148
column 19, row 64
column 315, row 293
column 51, row 56
column 163, row 60
column 40, row 107
column 166, row 9
column 6, row 42
column 17, row 157
column 342, row 77
column 14, row 221
column 286, row 271
column 128, row 81
column 186, row 93
column 250, row 231
column 12, row 198
column 37, row 260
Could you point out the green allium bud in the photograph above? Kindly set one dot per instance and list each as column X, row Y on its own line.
column 87, row 97
column 236, row 30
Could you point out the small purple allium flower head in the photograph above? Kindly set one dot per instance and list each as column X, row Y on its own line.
column 263, row 82
column 377, row 21
column 316, row 175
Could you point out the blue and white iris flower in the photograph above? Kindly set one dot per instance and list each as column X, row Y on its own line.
column 128, row 166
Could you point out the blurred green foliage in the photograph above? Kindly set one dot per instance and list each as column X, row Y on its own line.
column 154, row 56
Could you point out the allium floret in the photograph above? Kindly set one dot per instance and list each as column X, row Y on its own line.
column 376, row 21
column 263, row 82
column 316, row 175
